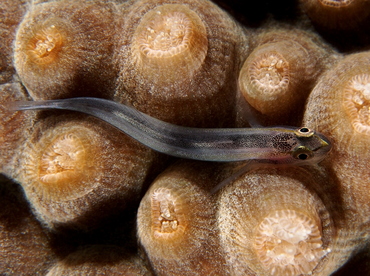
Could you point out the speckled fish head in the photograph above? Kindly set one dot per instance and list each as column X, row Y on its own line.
column 312, row 147
column 300, row 146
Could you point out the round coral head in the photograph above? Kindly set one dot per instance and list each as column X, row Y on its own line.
column 170, row 42
column 289, row 243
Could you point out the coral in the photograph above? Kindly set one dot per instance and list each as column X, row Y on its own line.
column 169, row 38
column 280, row 72
column 177, row 222
column 341, row 100
column 11, row 13
column 74, row 170
column 24, row 246
column 181, row 61
column 346, row 14
column 172, row 72
column 100, row 260
column 62, row 46
column 274, row 222
column 14, row 127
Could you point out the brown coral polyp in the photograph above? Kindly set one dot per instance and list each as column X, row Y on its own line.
column 277, row 76
column 177, row 61
column 272, row 223
column 270, row 72
column 60, row 165
column 268, row 76
column 45, row 45
column 170, row 225
column 339, row 107
column 76, row 171
column 343, row 94
column 356, row 102
column 176, row 222
column 333, row 14
column 64, row 158
column 289, row 242
column 63, row 45
column 169, row 220
column 170, row 38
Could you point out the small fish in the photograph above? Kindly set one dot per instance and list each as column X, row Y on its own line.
column 277, row 145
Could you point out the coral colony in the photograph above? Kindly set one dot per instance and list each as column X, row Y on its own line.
column 80, row 197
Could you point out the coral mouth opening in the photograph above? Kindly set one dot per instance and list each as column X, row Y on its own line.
column 62, row 160
column 168, row 220
column 170, row 40
column 270, row 73
column 167, row 37
column 289, row 243
column 356, row 101
column 336, row 3
column 60, row 167
column 45, row 45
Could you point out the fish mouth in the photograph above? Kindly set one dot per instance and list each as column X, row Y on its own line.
column 322, row 151
column 326, row 144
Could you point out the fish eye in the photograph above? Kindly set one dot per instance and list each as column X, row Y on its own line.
column 304, row 132
column 302, row 156
column 302, row 153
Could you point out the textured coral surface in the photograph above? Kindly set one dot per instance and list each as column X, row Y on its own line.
column 78, row 197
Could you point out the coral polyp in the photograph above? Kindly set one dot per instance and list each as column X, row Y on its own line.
column 341, row 97
column 168, row 218
column 272, row 71
column 356, row 99
column 173, row 62
column 344, row 91
column 45, row 46
column 65, row 172
column 176, row 222
column 279, row 221
column 280, row 71
column 59, row 45
column 170, row 38
column 333, row 14
column 289, row 243
column 58, row 163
